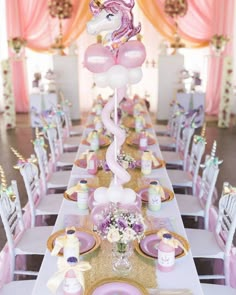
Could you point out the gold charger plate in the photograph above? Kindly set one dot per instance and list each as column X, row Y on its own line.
column 179, row 254
column 129, row 282
column 169, row 195
column 134, row 140
column 52, row 238
column 103, row 141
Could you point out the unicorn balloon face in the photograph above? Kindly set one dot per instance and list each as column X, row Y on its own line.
column 114, row 17
column 104, row 21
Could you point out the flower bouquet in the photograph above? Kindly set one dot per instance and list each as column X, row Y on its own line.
column 126, row 160
column 121, row 226
column 218, row 43
column 16, row 44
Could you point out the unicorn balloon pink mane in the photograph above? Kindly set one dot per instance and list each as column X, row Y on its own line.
column 114, row 16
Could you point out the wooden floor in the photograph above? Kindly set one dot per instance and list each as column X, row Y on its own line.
column 20, row 139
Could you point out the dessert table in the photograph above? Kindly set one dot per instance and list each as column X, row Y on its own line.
column 184, row 275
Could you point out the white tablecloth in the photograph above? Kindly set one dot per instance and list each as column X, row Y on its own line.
column 184, row 274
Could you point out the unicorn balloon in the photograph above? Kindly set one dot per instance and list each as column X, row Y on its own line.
column 116, row 63
column 114, row 17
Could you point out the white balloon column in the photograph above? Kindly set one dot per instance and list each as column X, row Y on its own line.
column 117, row 63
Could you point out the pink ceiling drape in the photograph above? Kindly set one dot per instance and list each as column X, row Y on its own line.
column 29, row 19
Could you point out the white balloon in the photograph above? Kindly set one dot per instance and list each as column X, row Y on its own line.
column 100, row 195
column 117, row 76
column 129, row 196
column 135, row 75
column 115, row 193
column 101, row 79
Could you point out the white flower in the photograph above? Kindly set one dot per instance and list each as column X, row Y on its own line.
column 113, row 235
column 128, row 235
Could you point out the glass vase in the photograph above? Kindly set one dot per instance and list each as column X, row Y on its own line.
column 120, row 261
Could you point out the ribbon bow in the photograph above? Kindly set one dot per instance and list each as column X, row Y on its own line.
column 154, row 159
column 171, row 242
column 159, row 190
column 63, row 268
column 199, row 138
column 210, row 161
column 91, row 136
column 62, row 240
column 22, row 162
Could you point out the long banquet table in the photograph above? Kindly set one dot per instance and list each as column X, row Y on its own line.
column 184, row 275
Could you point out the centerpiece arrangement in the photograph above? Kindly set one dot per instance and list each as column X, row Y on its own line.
column 120, row 226
column 116, row 62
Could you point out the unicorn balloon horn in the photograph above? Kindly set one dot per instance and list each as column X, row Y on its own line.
column 203, row 131
column 213, row 150
column 3, row 184
column 17, row 154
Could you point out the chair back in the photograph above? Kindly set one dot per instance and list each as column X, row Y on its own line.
column 184, row 142
column 30, row 174
column 12, row 219
column 226, row 225
column 177, row 127
column 59, row 119
column 54, row 145
column 207, row 185
column 43, row 163
column 197, row 151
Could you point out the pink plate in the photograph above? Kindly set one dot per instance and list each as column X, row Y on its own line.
column 87, row 241
column 149, row 246
column 117, row 288
column 82, row 163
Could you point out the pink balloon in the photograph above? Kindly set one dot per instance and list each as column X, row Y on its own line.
column 131, row 54
column 98, row 58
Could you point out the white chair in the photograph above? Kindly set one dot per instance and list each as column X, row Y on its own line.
column 199, row 205
column 25, row 241
column 24, row 287
column 172, row 141
column 60, row 159
column 65, row 141
column 188, row 179
column 166, row 130
column 71, row 130
column 217, row 244
column 213, row 289
column 40, row 203
column 55, row 180
column 179, row 159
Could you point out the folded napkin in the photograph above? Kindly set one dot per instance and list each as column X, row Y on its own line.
column 170, row 292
